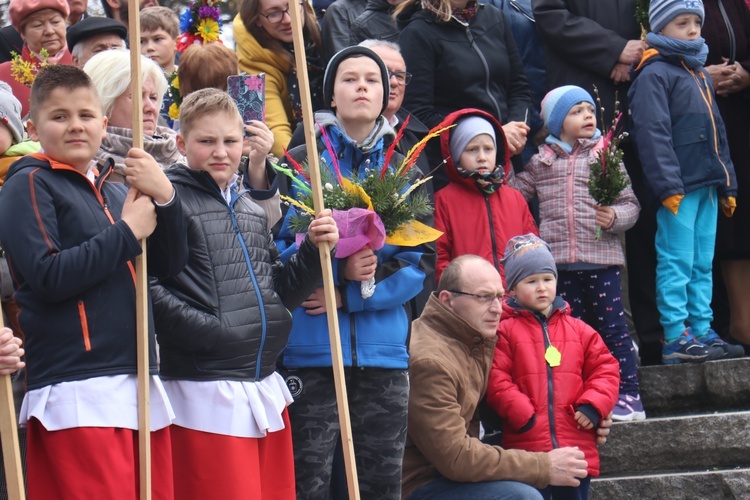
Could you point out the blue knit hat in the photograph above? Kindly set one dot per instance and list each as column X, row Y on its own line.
column 526, row 255
column 557, row 103
column 661, row 12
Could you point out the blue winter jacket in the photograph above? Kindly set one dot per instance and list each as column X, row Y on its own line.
column 373, row 331
column 677, row 128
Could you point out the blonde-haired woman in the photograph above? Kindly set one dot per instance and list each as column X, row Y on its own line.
column 110, row 72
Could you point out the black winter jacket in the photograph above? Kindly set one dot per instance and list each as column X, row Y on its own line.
column 374, row 23
column 584, row 39
column 71, row 258
column 457, row 66
column 226, row 316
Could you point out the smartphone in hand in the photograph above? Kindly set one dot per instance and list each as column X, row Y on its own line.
column 249, row 93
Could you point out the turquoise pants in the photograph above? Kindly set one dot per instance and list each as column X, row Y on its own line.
column 684, row 251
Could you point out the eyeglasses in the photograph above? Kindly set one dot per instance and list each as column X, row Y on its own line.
column 486, row 298
column 402, row 77
column 276, row 16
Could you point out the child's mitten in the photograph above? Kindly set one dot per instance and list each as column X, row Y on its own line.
column 673, row 202
column 728, row 205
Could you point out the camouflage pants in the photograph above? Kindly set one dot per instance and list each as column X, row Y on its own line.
column 378, row 401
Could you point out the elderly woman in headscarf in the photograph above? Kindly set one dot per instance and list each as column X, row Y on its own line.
column 41, row 24
column 110, row 72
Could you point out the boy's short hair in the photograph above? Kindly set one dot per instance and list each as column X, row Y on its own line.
column 206, row 102
column 153, row 18
column 57, row 76
column 206, row 66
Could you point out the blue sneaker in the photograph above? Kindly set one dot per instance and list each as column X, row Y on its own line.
column 628, row 408
column 719, row 348
column 685, row 349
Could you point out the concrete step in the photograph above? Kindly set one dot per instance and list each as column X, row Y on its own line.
column 678, row 444
column 695, row 388
column 712, row 484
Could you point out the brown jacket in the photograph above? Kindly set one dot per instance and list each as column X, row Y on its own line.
column 448, row 372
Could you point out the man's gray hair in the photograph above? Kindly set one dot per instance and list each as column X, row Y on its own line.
column 372, row 42
column 77, row 50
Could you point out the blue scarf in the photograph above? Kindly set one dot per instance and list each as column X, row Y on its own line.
column 693, row 52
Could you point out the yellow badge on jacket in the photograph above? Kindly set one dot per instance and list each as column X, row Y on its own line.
column 552, row 356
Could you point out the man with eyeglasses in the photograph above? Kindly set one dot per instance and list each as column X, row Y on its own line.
column 452, row 346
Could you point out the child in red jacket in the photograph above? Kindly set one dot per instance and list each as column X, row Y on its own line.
column 477, row 211
column 553, row 378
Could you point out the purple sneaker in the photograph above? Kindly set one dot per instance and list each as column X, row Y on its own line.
column 628, row 408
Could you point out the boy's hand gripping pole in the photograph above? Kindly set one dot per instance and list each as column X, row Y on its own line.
column 9, row 436
column 325, row 254
column 141, row 290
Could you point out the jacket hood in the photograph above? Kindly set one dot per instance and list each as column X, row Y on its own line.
column 382, row 130
column 511, row 308
column 503, row 153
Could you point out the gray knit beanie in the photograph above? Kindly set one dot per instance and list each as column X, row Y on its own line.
column 466, row 130
column 10, row 113
column 526, row 255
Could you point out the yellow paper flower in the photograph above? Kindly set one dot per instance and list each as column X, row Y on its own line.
column 208, row 29
column 174, row 111
column 176, row 82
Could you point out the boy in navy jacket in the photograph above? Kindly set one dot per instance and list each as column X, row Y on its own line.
column 71, row 239
column 683, row 148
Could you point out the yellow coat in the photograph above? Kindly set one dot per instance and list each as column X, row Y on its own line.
column 254, row 59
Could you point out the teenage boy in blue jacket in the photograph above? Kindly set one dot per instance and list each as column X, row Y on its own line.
column 374, row 330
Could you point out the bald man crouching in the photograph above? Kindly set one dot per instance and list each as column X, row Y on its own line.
column 452, row 344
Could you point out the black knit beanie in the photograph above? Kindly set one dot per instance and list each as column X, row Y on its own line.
column 333, row 65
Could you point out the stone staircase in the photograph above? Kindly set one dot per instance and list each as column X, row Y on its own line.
column 695, row 443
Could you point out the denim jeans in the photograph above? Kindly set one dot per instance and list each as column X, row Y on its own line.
column 487, row 490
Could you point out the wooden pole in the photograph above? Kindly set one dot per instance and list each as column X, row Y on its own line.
column 337, row 361
column 9, row 436
column 141, row 291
